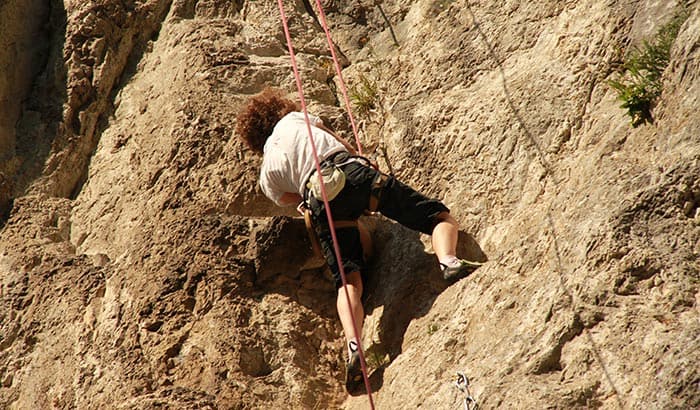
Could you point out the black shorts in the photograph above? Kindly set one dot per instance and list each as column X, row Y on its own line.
column 398, row 201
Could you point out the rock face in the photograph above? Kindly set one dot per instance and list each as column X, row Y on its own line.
column 142, row 268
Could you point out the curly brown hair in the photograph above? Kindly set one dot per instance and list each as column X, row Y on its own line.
column 259, row 116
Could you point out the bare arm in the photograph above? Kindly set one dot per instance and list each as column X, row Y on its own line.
column 346, row 144
column 290, row 198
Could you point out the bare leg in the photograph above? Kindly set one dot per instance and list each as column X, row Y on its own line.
column 444, row 236
column 354, row 281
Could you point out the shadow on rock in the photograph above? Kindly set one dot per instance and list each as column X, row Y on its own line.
column 404, row 280
column 285, row 264
column 376, row 381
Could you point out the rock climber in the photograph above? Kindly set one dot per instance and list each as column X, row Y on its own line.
column 272, row 126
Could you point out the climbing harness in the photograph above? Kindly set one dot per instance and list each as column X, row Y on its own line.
column 333, row 178
column 312, row 189
column 376, row 192
column 313, row 235
column 324, row 195
column 462, row 384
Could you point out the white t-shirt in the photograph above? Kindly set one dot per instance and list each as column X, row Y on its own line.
column 288, row 159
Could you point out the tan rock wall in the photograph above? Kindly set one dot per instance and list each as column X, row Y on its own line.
column 142, row 268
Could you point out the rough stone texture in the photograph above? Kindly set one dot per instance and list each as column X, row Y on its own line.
column 141, row 267
column 23, row 42
column 23, row 48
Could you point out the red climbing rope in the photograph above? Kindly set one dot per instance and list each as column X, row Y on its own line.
column 297, row 77
column 343, row 88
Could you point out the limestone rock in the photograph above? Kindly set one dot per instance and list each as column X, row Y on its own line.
column 142, row 268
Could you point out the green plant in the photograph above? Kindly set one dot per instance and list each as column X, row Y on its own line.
column 376, row 356
column 639, row 84
column 364, row 95
column 432, row 328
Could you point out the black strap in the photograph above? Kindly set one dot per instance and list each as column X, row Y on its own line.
column 375, row 194
column 339, row 158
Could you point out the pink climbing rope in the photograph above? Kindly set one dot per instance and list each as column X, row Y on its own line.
column 343, row 88
column 336, row 248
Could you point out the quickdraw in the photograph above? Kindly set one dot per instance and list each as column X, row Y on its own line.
column 462, row 384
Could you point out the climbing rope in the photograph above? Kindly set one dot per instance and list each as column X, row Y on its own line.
column 343, row 88
column 329, row 216
column 462, row 384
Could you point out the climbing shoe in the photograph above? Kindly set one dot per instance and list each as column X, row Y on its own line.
column 353, row 372
column 459, row 271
